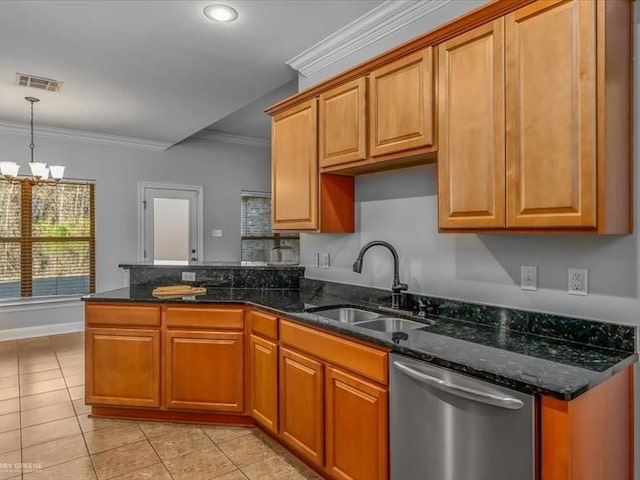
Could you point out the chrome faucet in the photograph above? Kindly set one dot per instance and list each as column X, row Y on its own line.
column 397, row 288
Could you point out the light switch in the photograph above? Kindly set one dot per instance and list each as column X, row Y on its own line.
column 216, row 233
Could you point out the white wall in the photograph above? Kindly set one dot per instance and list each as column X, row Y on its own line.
column 223, row 169
column 401, row 207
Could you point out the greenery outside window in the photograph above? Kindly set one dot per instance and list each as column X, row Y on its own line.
column 47, row 239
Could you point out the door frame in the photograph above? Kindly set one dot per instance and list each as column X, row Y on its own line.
column 142, row 186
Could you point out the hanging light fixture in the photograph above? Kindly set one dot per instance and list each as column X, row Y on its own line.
column 39, row 171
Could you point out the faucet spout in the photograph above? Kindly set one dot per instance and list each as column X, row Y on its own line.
column 397, row 288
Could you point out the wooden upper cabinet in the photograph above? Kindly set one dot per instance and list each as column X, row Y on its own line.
column 356, row 428
column 343, row 124
column 301, row 198
column 302, row 404
column 551, row 115
column 401, row 104
column 123, row 367
column 471, row 162
column 294, row 168
column 204, row 370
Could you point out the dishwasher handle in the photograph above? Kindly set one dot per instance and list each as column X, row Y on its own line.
column 510, row 403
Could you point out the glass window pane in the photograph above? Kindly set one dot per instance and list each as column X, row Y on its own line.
column 61, row 210
column 170, row 229
column 60, row 268
column 9, row 270
column 9, row 209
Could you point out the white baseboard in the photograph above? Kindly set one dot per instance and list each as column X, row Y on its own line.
column 41, row 330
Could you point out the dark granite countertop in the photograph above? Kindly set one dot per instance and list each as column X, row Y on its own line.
column 525, row 362
column 209, row 265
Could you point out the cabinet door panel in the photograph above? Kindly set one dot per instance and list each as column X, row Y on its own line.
column 357, row 428
column 263, row 381
column 471, row 147
column 401, row 104
column 204, row 371
column 294, row 168
column 123, row 367
column 343, row 124
column 302, row 404
column 551, row 115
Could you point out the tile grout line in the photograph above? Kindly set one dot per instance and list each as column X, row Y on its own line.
column 154, row 450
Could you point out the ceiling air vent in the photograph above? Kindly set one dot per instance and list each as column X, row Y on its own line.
column 42, row 83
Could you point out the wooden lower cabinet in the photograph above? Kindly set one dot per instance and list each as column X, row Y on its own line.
column 302, row 404
column 122, row 367
column 356, row 427
column 263, row 382
column 204, row 370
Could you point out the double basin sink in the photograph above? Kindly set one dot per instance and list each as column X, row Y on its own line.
column 378, row 322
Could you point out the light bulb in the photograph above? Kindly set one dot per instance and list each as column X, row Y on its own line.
column 9, row 169
column 38, row 169
column 220, row 13
column 57, row 171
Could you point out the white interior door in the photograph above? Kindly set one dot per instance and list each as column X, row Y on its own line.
column 171, row 224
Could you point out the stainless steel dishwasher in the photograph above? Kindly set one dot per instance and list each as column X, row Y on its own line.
column 448, row 426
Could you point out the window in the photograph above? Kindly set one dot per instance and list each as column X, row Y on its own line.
column 257, row 237
column 47, row 239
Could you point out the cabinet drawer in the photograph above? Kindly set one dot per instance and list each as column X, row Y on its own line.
column 219, row 317
column 367, row 361
column 263, row 324
column 122, row 315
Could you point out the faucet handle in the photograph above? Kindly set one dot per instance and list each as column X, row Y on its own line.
column 400, row 287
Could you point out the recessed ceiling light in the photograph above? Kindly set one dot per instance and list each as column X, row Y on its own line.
column 220, row 13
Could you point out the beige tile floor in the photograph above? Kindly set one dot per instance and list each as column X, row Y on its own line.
column 46, row 433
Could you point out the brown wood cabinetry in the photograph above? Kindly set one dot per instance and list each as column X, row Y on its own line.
column 356, row 427
column 354, row 422
column 551, row 115
column 294, row 168
column 263, row 381
column 302, row 199
column 122, row 367
column 343, row 124
column 204, row 370
column 471, row 162
column 401, row 104
column 559, row 159
column 302, row 404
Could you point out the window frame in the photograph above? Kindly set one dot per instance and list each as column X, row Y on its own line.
column 26, row 240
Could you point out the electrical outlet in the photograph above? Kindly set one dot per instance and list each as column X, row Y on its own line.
column 528, row 277
column 578, row 281
column 188, row 276
column 325, row 260
column 316, row 259
column 216, row 233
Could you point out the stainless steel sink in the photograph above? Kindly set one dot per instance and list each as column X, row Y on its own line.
column 346, row 314
column 389, row 324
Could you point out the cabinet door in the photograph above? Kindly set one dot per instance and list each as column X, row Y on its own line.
column 204, row 371
column 302, row 404
column 343, row 124
column 263, row 381
column 551, row 115
column 471, row 146
column 401, row 101
column 294, row 168
column 123, row 367
column 357, row 428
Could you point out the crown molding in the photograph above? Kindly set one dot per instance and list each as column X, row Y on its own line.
column 365, row 30
column 83, row 136
column 218, row 136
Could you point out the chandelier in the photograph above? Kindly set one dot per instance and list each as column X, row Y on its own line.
column 39, row 171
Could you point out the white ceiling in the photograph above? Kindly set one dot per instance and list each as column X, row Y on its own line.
column 157, row 70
